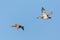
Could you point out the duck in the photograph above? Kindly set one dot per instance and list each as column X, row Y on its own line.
column 18, row 26
column 44, row 14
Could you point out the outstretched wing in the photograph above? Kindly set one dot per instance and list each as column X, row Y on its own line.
column 40, row 17
column 49, row 14
column 13, row 26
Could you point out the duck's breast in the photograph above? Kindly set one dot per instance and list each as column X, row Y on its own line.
column 45, row 16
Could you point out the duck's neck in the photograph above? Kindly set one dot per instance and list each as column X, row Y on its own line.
column 44, row 13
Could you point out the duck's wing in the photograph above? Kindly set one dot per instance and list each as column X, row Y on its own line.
column 14, row 25
column 43, row 10
column 39, row 17
column 49, row 14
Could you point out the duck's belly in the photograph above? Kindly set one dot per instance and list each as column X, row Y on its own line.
column 45, row 16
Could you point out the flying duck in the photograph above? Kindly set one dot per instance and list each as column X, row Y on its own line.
column 44, row 14
column 18, row 26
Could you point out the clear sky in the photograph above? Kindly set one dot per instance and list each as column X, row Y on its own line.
column 24, row 12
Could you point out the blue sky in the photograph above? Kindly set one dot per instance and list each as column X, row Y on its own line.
column 24, row 12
